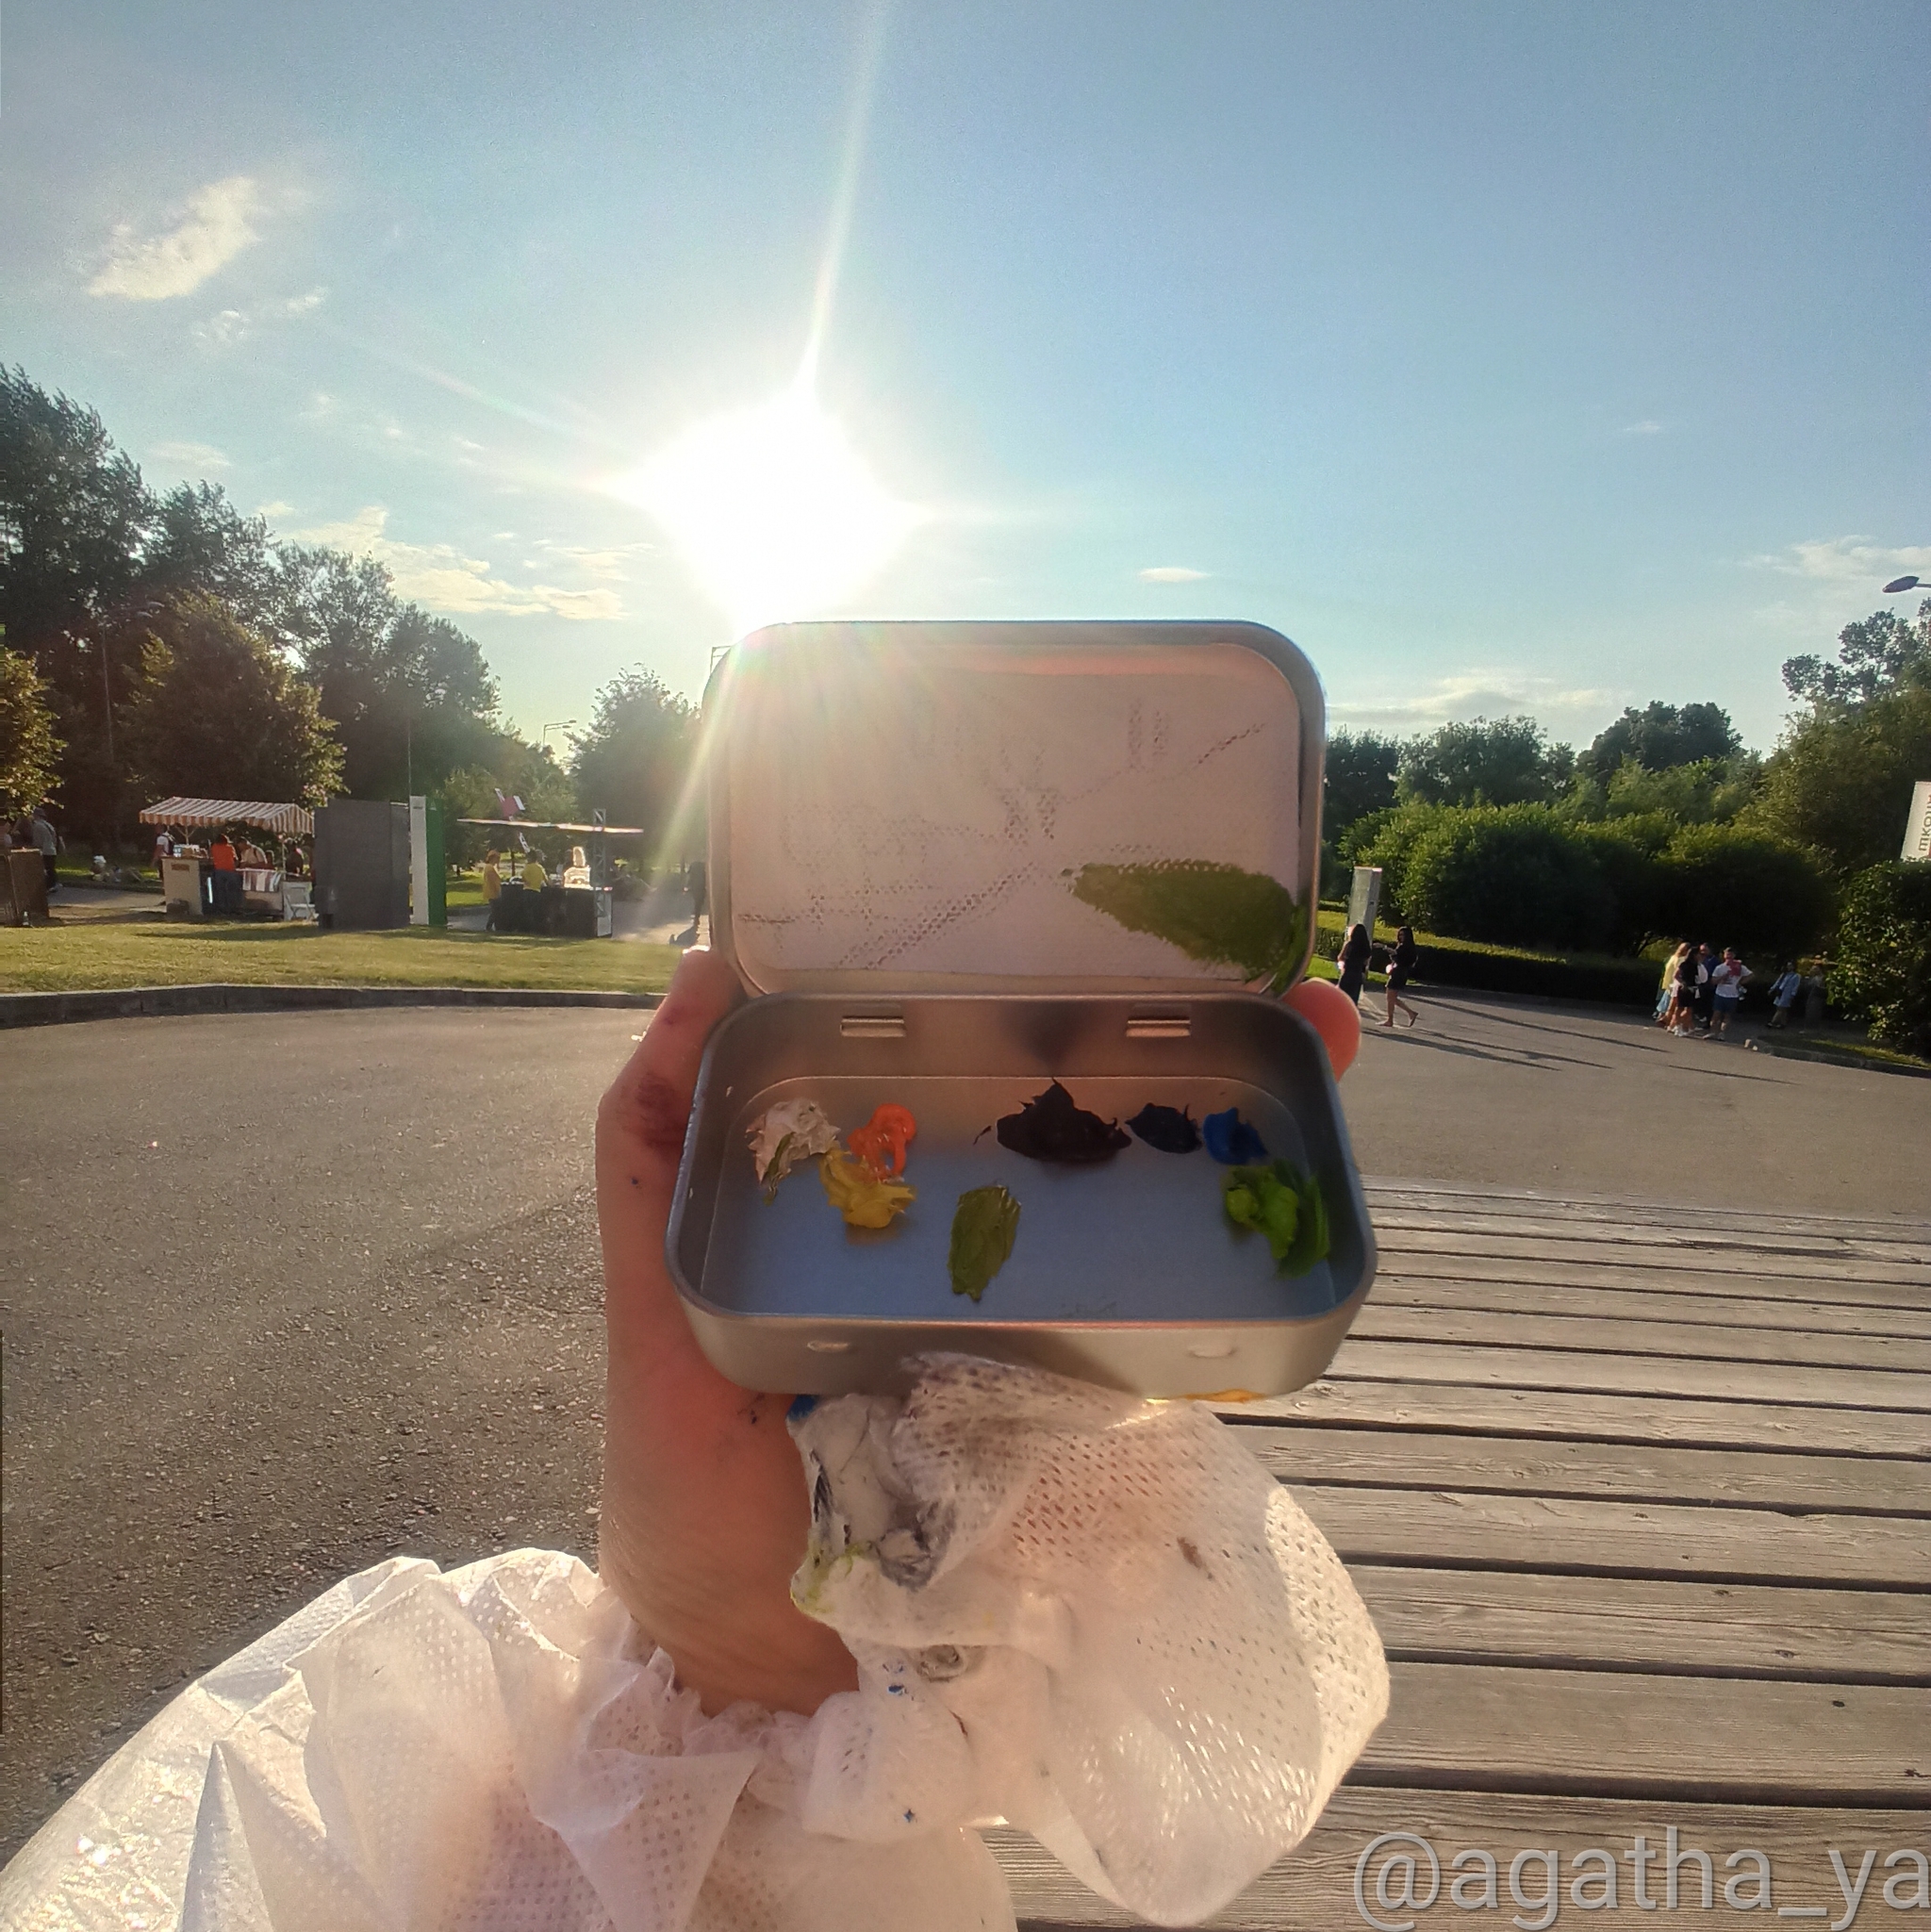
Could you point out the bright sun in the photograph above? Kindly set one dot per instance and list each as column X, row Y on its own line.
column 772, row 508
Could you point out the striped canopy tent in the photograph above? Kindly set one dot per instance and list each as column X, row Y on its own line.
column 285, row 821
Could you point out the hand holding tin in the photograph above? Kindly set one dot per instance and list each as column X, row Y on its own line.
column 705, row 1513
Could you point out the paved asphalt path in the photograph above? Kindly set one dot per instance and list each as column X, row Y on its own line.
column 285, row 1294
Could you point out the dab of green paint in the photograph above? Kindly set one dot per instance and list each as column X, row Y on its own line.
column 984, row 1226
column 1209, row 911
column 1285, row 1205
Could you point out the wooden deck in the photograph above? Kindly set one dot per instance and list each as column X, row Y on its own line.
column 1641, row 1501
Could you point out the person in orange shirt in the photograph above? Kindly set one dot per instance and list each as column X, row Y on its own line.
column 220, row 854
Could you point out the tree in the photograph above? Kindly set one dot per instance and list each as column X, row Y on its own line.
column 1659, row 737
column 1506, row 761
column 29, row 751
column 1511, row 875
column 73, row 517
column 1734, row 887
column 198, row 543
column 410, row 694
column 1878, row 656
column 263, row 737
column 634, row 760
column 1882, row 970
column 1358, row 778
column 1841, row 782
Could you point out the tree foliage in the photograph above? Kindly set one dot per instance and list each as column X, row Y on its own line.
column 1358, row 778
column 1878, row 656
column 219, row 713
column 1882, row 969
column 29, row 751
column 92, row 562
column 1841, row 782
column 1661, row 737
column 1503, row 761
column 634, row 760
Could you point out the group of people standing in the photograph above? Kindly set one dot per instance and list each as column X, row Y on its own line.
column 1358, row 953
column 1701, row 992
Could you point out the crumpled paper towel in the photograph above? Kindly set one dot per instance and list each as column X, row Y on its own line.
column 1096, row 1617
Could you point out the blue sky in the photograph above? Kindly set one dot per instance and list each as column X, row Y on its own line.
column 1507, row 357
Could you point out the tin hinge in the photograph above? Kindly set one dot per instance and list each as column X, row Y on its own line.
column 873, row 1026
column 1175, row 1025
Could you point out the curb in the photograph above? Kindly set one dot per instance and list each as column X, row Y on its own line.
column 1825, row 1057
column 139, row 1002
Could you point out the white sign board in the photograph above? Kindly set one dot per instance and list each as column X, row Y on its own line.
column 419, row 861
column 1918, row 826
column 1364, row 898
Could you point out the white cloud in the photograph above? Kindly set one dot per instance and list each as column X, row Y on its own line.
column 1475, row 693
column 189, row 455
column 215, row 226
column 1850, row 562
column 439, row 577
column 1171, row 573
column 232, row 325
column 276, row 509
column 1648, row 426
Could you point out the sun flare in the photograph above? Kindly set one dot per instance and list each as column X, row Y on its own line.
column 772, row 508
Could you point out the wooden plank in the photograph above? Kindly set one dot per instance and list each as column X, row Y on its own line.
column 1363, row 1359
column 1616, row 1539
column 1480, row 1267
column 1664, row 1257
column 1686, row 1339
column 1601, row 1418
column 1451, row 1197
column 1401, row 1290
column 1641, row 1624
column 1647, row 1472
column 1313, row 1888
column 1730, row 1740
column 1659, row 1229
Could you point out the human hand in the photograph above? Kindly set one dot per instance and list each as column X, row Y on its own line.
column 704, row 1509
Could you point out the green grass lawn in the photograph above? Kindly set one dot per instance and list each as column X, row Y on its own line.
column 50, row 959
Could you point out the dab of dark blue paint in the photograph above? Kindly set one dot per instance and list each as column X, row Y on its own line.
column 1171, row 1129
column 1230, row 1140
column 801, row 1406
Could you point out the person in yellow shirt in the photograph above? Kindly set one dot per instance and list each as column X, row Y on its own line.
column 535, row 876
column 492, row 887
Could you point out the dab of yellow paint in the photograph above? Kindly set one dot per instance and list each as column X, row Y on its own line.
column 862, row 1196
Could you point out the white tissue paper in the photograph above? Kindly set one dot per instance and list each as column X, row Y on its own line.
column 1095, row 1617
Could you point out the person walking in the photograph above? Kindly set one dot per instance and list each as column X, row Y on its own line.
column 1400, row 970
column 1706, row 989
column 46, row 842
column 1353, row 961
column 1783, row 993
column 1690, row 975
column 1727, row 989
column 1666, row 993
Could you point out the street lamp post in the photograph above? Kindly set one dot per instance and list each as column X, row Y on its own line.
column 1898, row 585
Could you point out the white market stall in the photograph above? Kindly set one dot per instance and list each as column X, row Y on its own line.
column 192, row 883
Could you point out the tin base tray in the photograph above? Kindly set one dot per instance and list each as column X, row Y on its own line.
column 1125, row 1272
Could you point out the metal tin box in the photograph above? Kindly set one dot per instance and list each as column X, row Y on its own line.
column 938, row 855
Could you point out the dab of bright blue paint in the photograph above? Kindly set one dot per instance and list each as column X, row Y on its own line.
column 1230, row 1140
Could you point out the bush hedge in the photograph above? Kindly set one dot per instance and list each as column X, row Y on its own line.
column 1527, row 876
column 1882, row 972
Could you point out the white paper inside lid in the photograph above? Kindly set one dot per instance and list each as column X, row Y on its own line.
column 918, row 806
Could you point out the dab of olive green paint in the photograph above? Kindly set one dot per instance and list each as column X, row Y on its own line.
column 1209, row 911
column 984, row 1226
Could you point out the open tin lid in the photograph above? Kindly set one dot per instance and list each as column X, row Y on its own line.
column 1013, row 807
